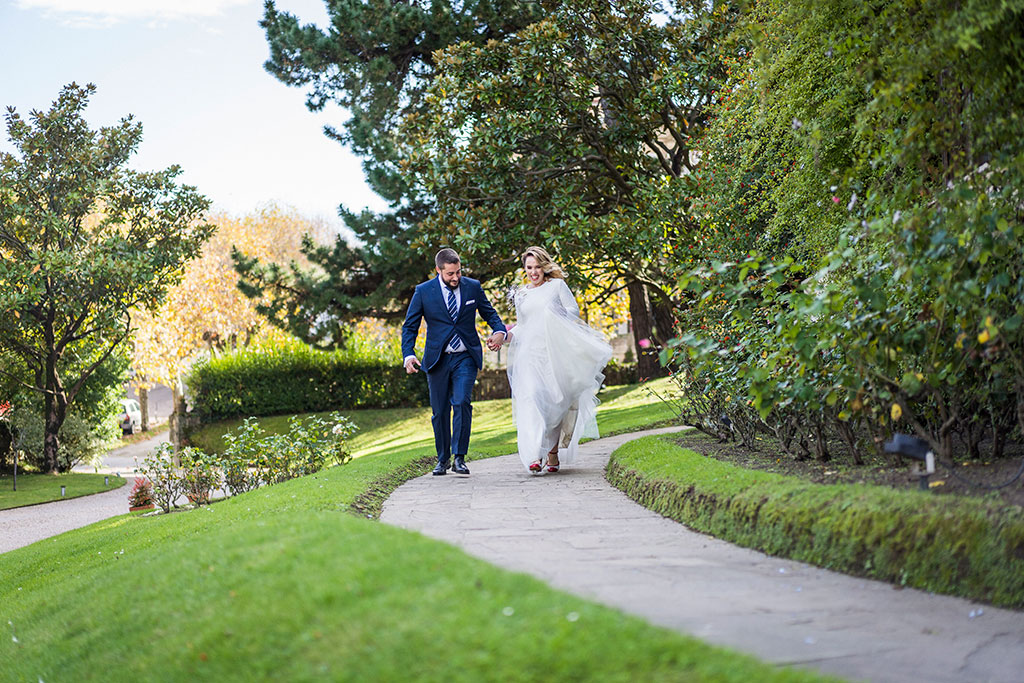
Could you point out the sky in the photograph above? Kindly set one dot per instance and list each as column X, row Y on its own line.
column 191, row 71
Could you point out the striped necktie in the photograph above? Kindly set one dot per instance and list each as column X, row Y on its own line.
column 452, row 307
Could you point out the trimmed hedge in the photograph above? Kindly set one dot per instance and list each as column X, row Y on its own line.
column 954, row 545
column 298, row 379
column 292, row 377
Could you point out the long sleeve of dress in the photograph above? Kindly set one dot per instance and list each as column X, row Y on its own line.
column 567, row 300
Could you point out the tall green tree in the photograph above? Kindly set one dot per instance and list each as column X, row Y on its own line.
column 375, row 59
column 575, row 133
column 83, row 241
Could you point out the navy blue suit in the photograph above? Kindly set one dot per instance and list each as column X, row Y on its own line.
column 450, row 376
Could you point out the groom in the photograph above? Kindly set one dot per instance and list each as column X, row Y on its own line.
column 452, row 355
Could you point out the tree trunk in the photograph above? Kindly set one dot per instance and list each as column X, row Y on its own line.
column 177, row 420
column 639, row 311
column 55, row 410
column 664, row 317
column 6, row 441
column 849, row 437
column 144, row 407
column 820, row 443
column 55, row 403
column 1020, row 403
column 975, row 433
column 997, row 440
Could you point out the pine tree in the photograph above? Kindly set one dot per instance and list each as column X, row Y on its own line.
column 375, row 60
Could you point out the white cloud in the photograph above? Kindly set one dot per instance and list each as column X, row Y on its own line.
column 103, row 12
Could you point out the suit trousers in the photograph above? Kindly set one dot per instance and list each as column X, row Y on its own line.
column 450, row 383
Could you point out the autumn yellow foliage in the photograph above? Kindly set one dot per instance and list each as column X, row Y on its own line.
column 206, row 312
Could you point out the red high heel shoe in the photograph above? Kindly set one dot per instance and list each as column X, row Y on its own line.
column 535, row 467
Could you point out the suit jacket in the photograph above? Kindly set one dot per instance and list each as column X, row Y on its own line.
column 428, row 304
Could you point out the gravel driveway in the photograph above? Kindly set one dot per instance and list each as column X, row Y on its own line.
column 23, row 526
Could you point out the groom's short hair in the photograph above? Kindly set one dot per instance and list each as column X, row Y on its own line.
column 446, row 256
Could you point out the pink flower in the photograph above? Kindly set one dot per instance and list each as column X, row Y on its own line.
column 644, row 343
column 835, row 200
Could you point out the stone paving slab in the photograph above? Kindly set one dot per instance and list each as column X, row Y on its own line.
column 578, row 533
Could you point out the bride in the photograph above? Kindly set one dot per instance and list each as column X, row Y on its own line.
column 554, row 367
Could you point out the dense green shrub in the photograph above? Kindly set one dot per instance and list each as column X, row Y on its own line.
column 293, row 378
column 310, row 444
column 200, row 473
column 252, row 458
column 80, row 441
column 167, row 480
column 972, row 548
column 884, row 287
column 243, row 459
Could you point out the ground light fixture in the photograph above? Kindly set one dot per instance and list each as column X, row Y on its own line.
column 918, row 450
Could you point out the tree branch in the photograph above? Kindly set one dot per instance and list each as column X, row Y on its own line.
column 73, row 391
column 18, row 380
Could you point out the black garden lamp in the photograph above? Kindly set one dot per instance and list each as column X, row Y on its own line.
column 916, row 449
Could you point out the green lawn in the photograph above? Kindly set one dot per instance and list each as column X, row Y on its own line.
column 43, row 488
column 283, row 583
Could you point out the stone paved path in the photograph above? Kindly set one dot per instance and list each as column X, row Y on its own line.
column 576, row 532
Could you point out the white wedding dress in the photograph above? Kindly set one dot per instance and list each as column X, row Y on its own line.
column 554, row 368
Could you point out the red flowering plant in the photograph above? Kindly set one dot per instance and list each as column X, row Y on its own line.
column 142, row 493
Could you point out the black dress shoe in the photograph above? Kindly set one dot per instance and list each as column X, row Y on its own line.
column 441, row 468
column 459, row 466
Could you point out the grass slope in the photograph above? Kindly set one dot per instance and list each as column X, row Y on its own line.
column 43, row 488
column 282, row 583
column 968, row 547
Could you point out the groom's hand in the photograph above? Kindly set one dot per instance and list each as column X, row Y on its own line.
column 412, row 365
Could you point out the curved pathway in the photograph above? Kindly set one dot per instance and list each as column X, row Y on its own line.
column 578, row 533
column 23, row 526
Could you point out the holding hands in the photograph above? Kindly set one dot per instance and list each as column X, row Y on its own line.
column 495, row 341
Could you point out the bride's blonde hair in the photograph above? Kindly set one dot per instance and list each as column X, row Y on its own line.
column 544, row 260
